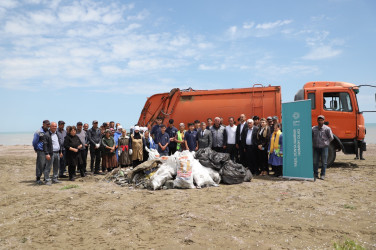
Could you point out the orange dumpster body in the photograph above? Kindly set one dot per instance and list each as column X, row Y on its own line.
column 186, row 106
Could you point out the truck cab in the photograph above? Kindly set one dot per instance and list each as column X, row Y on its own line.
column 337, row 101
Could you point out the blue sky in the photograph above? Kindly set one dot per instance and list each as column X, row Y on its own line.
column 85, row 60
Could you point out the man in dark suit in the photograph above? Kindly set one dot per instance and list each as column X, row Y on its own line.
column 249, row 141
column 204, row 137
column 238, row 139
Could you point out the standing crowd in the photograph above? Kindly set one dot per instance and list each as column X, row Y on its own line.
column 255, row 143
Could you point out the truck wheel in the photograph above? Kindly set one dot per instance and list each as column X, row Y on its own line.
column 331, row 155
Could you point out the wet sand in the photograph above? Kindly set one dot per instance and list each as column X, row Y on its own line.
column 267, row 213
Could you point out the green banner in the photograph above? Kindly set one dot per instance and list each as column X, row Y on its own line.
column 297, row 140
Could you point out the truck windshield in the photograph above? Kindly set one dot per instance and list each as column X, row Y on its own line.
column 337, row 101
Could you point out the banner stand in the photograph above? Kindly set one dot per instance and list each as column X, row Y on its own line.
column 297, row 140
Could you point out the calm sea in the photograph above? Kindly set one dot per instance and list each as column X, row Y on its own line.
column 25, row 138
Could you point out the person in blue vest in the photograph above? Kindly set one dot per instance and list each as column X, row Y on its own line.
column 38, row 148
column 190, row 138
column 163, row 142
column 156, row 130
column 171, row 131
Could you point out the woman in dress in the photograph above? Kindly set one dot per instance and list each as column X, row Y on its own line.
column 72, row 144
column 109, row 157
column 123, row 149
column 136, row 147
column 263, row 138
column 276, row 150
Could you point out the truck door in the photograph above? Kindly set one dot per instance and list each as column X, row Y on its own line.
column 339, row 111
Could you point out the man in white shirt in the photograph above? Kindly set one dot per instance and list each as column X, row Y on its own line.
column 53, row 151
column 230, row 139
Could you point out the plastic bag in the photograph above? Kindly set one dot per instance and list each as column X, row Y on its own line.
column 219, row 158
column 232, row 173
column 203, row 153
column 201, row 175
column 216, row 177
column 163, row 174
column 153, row 154
column 248, row 176
column 212, row 159
column 184, row 177
column 209, row 164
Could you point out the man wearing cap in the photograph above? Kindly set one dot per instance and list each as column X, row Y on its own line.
column 95, row 137
column 53, row 151
column 270, row 123
column 61, row 133
column 38, row 148
column 321, row 137
column 83, row 137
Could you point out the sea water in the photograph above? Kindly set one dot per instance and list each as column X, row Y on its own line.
column 26, row 138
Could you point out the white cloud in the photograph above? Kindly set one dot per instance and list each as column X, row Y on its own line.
column 42, row 18
column 8, row 3
column 212, row 67
column 180, row 41
column 272, row 25
column 321, row 47
column 232, row 30
column 155, row 63
column 251, row 29
column 248, row 25
column 322, row 52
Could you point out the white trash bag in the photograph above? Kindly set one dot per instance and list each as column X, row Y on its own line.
column 216, row 177
column 201, row 176
column 184, row 177
column 153, row 154
column 163, row 174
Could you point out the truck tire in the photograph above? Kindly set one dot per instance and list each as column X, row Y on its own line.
column 331, row 155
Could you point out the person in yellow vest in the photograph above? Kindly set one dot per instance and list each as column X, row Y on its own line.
column 136, row 147
column 276, row 150
column 179, row 138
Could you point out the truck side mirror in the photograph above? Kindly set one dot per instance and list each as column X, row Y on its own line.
column 326, row 123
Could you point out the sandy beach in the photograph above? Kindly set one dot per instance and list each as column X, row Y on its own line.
column 267, row 213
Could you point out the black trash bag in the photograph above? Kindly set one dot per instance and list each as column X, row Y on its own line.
column 209, row 164
column 248, row 176
column 219, row 158
column 203, row 153
column 232, row 173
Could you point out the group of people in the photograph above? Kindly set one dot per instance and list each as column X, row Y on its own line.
column 57, row 148
column 255, row 143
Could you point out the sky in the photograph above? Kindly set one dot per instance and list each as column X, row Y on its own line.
column 100, row 60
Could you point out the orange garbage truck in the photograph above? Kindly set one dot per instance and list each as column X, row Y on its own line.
column 335, row 100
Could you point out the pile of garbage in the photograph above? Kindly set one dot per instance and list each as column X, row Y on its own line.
column 204, row 168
